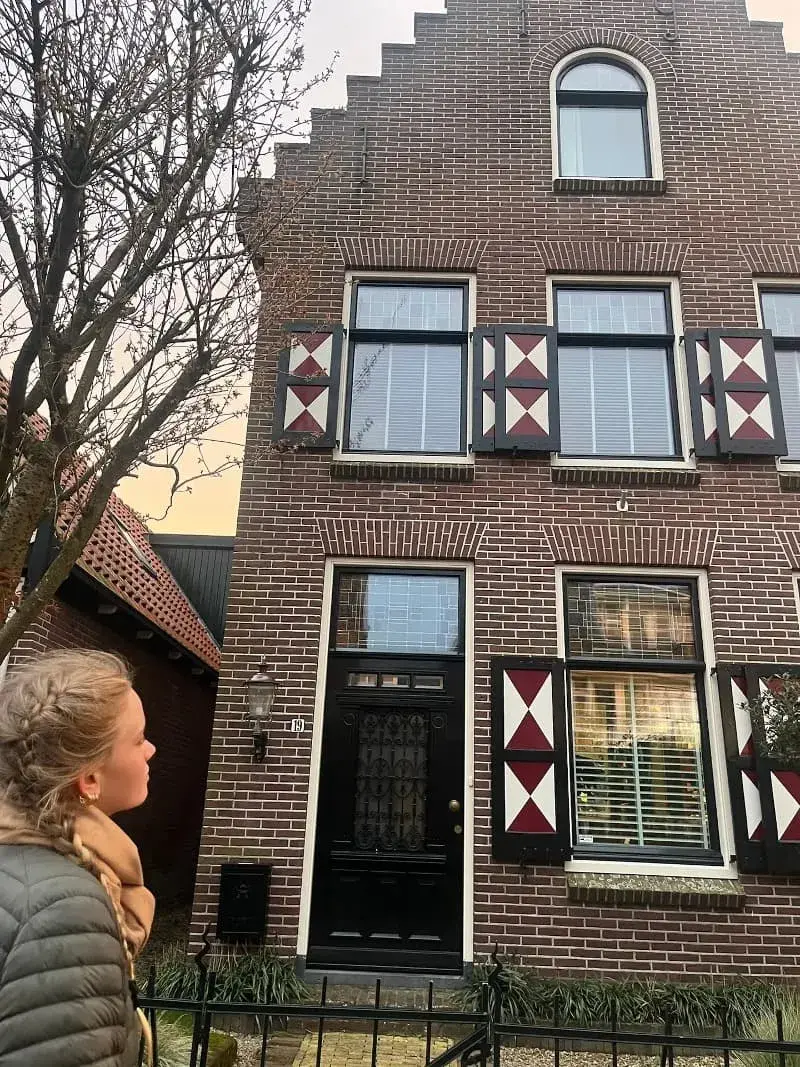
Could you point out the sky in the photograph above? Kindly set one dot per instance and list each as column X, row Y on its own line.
column 355, row 29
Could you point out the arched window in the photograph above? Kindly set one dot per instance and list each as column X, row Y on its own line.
column 603, row 128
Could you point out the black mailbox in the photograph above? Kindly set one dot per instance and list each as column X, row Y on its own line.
column 243, row 896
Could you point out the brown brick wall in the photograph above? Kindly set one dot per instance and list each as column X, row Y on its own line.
column 458, row 176
column 179, row 710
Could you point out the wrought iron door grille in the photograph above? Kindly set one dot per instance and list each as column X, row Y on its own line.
column 391, row 781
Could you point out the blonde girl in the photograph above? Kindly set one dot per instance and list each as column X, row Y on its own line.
column 74, row 911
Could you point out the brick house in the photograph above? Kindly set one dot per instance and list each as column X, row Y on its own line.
column 536, row 533
column 122, row 597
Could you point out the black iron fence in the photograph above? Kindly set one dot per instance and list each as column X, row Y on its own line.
column 476, row 1037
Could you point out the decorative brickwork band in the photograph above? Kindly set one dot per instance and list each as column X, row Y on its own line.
column 400, row 539
column 640, row 546
column 612, row 257
column 653, row 58
column 382, row 251
column 772, row 259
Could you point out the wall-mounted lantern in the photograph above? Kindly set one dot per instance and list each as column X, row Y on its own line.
column 260, row 696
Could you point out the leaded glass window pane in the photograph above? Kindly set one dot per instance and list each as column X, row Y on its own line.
column 638, row 764
column 409, row 307
column 417, row 613
column 781, row 313
column 639, row 311
column 628, row 620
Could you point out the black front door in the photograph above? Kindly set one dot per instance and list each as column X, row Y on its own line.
column 388, row 875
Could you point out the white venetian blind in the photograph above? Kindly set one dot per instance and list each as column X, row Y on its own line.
column 638, row 765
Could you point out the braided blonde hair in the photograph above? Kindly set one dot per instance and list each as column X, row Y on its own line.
column 59, row 716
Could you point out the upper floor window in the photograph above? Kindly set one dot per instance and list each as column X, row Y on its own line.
column 407, row 368
column 603, row 125
column 780, row 309
column 616, row 372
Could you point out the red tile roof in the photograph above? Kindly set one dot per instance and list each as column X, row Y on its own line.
column 134, row 572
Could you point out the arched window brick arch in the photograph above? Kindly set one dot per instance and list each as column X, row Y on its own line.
column 653, row 58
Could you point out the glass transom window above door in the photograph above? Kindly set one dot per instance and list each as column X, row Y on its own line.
column 617, row 388
column 780, row 310
column 641, row 756
column 407, row 368
column 399, row 612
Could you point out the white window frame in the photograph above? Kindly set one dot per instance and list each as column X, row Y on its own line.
column 687, row 460
column 340, row 455
column 332, row 563
column 791, row 466
column 653, row 129
column 726, row 870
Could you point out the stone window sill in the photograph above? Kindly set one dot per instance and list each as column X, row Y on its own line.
column 618, row 186
column 705, row 894
column 393, row 471
column 680, row 477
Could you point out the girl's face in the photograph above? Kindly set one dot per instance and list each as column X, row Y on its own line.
column 121, row 782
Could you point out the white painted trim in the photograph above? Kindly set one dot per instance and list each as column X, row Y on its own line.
column 466, row 568
column 716, row 742
column 423, row 277
column 688, row 462
column 796, row 590
column 656, row 162
column 791, row 466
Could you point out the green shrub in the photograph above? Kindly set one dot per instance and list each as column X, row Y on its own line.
column 262, row 977
column 763, row 1027
column 174, row 1039
column 584, row 1002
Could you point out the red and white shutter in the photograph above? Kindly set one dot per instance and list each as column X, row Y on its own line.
column 747, row 393
column 701, row 394
column 483, row 391
column 765, row 791
column 530, row 779
column 307, row 388
column 526, row 389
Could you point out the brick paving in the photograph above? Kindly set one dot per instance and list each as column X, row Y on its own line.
column 353, row 1050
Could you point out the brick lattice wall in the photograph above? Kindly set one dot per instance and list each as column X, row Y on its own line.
column 459, row 176
column 179, row 710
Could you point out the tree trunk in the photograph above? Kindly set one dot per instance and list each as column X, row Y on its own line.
column 30, row 502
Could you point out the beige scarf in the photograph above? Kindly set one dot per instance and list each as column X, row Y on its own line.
column 116, row 857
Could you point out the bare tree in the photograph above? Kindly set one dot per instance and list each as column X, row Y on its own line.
column 129, row 304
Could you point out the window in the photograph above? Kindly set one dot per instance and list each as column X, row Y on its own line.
column 641, row 764
column 780, row 309
column 602, row 121
column 398, row 612
column 616, row 373
column 135, row 547
column 407, row 378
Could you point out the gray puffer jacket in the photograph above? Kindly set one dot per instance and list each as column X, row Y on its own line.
column 64, row 994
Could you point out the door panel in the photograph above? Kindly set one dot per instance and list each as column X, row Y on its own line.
column 388, row 874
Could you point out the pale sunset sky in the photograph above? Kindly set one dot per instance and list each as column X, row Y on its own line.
column 355, row 29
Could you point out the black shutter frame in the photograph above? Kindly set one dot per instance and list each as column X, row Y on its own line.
column 728, row 445
column 530, row 848
column 526, row 443
column 704, row 448
column 481, row 441
column 331, row 381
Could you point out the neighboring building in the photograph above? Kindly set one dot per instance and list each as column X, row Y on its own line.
column 122, row 597
column 508, row 577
